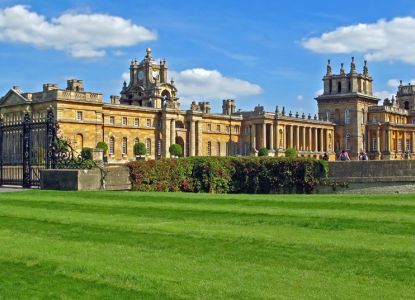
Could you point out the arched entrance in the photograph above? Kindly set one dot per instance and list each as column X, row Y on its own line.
column 180, row 141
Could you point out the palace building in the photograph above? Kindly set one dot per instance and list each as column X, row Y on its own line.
column 148, row 111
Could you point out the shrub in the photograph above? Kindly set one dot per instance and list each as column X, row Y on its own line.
column 228, row 175
column 103, row 146
column 87, row 153
column 139, row 149
column 176, row 150
column 263, row 152
column 291, row 153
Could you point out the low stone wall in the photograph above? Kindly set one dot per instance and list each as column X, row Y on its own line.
column 370, row 177
column 115, row 178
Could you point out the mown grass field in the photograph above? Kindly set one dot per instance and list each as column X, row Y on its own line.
column 125, row 245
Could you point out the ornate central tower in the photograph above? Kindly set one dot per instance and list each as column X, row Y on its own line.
column 148, row 85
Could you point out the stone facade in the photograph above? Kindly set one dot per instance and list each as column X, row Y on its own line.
column 148, row 111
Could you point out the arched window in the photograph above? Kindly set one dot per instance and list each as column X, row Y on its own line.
column 209, row 149
column 346, row 117
column 406, row 104
column 218, row 149
column 124, row 146
column 148, row 146
column 347, row 142
column 112, row 145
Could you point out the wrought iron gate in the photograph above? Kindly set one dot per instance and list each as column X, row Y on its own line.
column 26, row 147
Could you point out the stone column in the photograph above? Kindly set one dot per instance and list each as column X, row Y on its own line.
column 253, row 137
column 321, row 149
column 304, row 139
column 310, row 139
column 297, row 138
column 192, row 145
column 199, row 138
column 173, row 133
column 271, row 137
column 387, row 141
column 315, row 140
column 378, row 139
column 264, row 135
column 166, row 138
column 291, row 136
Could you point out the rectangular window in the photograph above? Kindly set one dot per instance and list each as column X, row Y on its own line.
column 218, row 149
column 112, row 145
column 136, row 122
column 399, row 145
column 148, row 147
column 209, row 149
column 112, row 120
column 246, row 130
column 148, row 123
column 374, row 144
column 408, row 145
column 209, row 127
column 124, row 120
column 227, row 129
column 218, row 128
column 79, row 115
column 124, row 146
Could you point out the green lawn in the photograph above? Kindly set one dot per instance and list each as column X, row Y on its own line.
column 120, row 245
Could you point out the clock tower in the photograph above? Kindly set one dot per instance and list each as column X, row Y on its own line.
column 148, row 85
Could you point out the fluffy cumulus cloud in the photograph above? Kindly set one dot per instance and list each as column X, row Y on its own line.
column 202, row 84
column 80, row 35
column 380, row 41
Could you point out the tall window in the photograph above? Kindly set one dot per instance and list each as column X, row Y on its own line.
column 148, row 124
column 148, row 146
column 218, row 128
column 218, row 148
column 408, row 145
column 112, row 145
column 346, row 117
column 112, row 120
column 209, row 149
column 374, row 144
column 348, row 141
column 124, row 120
column 136, row 122
column 399, row 145
column 159, row 147
column 124, row 146
column 79, row 115
column 209, row 127
column 246, row 130
column 227, row 129
column 136, row 141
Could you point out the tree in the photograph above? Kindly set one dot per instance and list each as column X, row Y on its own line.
column 291, row 153
column 176, row 150
column 139, row 149
column 87, row 153
column 103, row 146
column 263, row 152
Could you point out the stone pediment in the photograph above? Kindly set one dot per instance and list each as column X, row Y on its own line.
column 13, row 98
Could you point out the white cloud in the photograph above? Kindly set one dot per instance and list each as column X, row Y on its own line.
column 380, row 41
column 201, row 84
column 125, row 76
column 383, row 94
column 393, row 83
column 319, row 92
column 79, row 35
column 300, row 97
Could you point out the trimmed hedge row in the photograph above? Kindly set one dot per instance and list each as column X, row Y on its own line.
column 228, row 175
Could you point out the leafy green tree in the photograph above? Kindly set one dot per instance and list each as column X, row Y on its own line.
column 263, row 152
column 176, row 150
column 103, row 146
column 87, row 153
column 139, row 149
column 291, row 153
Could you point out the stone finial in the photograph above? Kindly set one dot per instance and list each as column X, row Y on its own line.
column 315, row 117
column 283, row 111
column 309, row 116
column 290, row 114
column 328, row 73
column 303, row 116
column 400, row 82
column 342, row 69
column 172, row 81
column 296, row 114
column 365, row 69
column 352, row 66
column 277, row 110
column 148, row 51
column 124, row 85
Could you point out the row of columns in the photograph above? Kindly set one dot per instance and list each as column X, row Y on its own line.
column 294, row 136
column 386, row 143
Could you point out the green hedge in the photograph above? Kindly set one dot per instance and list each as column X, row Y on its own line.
column 228, row 175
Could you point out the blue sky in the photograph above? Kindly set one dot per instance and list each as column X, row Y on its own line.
column 258, row 52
